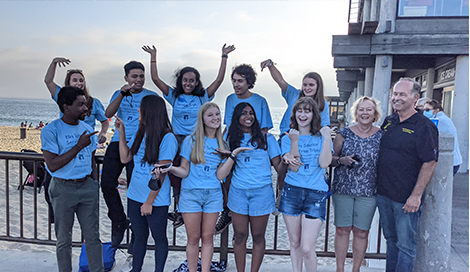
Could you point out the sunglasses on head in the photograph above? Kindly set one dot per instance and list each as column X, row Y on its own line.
column 74, row 71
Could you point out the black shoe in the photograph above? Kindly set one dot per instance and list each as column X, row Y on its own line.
column 118, row 231
column 172, row 216
column 178, row 222
column 225, row 219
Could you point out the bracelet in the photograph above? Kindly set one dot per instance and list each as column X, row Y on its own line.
column 224, row 56
column 231, row 156
column 270, row 64
column 79, row 147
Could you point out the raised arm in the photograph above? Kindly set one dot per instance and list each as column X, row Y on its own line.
column 275, row 74
column 153, row 69
column 325, row 156
column 293, row 157
column 124, row 150
column 220, row 76
column 50, row 74
column 114, row 106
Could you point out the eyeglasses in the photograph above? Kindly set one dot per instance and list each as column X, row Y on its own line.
column 74, row 71
column 427, row 109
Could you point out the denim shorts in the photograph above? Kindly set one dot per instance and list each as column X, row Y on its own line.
column 356, row 211
column 252, row 202
column 201, row 200
column 296, row 201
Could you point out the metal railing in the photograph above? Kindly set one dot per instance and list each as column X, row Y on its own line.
column 26, row 225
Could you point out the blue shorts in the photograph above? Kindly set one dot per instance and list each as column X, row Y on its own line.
column 296, row 201
column 201, row 200
column 252, row 202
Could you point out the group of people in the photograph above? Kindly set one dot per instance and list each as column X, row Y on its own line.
column 25, row 125
column 194, row 154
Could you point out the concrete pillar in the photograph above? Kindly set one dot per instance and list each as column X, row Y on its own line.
column 369, row 82
column 387, row 13
column 348, row 109
column 460, row 108
column 434, row 226
column 382, row 81
column 430, row 83
column 366, row 12
column 373, row 10
column 360, row 89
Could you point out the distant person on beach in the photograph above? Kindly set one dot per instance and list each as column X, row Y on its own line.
column 68, row 145
column 41, row 125
column 31, row 125
column 251, row 196
column 354, row 185
column 22, row 125
column 408, row 154
column 125, row 104
column 148, row 197
column 186, row 98
column 76, row 78
column 307, row 150
column 243, row 80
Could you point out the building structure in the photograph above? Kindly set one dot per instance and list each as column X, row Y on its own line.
column 423, row 39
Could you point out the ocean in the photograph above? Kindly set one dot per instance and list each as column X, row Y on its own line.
column 16, row 110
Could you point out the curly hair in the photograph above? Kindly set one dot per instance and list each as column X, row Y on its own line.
column 247, row 72
column 307, row 103
column 198, row 89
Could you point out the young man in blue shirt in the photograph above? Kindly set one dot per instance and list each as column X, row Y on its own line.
column 69, row 145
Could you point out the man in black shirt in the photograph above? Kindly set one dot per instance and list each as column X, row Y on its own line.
column 407, row 158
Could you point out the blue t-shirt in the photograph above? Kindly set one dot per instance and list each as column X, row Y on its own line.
column 59, row 137
column 185, row 109
column 201, row 176
column 97, row 113
column 129, row 112
column 291, row 96
column 253, row 167
column 257, row 102
column 310, row 175
column 138, row 189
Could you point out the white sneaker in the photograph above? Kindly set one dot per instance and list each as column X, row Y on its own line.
column 127, row 265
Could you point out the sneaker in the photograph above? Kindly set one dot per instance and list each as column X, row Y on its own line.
column 127, row 265
column 118, row 231
column 178, row 222
column 225, row 219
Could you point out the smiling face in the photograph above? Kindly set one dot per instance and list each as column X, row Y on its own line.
column 366, row 112
column 304, row 116
column 246, row 119
column 240, row 86
column 212, row 118
column 309, row 86
column 189, row 82
column 136, row 77
column 78, row 109
column 402, row 98
column 77, row 80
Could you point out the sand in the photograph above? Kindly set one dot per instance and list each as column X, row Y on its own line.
column 11, row 142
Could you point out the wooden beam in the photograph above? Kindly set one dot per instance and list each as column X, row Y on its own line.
column 354, row 62
column 369, row 27
column 354, row 28
column 349, row 75
column 432, row 26
column 413, row 62
column 351, row 45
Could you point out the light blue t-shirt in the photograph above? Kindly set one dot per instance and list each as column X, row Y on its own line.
column 201, row 176
column 291, row 96
column 257, row 102
column 185, row 109
column 310, row 175
column 446, row 125
column 59, row 137
column 253, row 167
column 138, row 189
column 97, row 113
column 129, row 112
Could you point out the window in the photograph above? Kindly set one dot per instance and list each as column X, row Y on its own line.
column 432, row 8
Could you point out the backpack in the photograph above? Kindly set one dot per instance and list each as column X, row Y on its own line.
column 109, row 261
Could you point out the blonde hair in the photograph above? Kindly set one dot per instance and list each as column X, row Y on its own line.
column 377, row 110
column 197, row 153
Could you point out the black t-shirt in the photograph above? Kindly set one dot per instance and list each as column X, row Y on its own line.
column 404, row 147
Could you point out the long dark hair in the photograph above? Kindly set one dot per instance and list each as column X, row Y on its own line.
column 198, row 89
column 309, row 104
column 154, row 123
column 235, row 131
column 318, row 96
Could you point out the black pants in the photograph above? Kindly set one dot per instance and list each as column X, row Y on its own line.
column 112, row 168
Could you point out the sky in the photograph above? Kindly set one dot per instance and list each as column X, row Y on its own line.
column 99, row 37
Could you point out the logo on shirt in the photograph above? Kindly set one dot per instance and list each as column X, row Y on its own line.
column 81, row 157
column 185, row 117
column 306, row 166
column 409, row 131
column 388, row 124
column 206, row 168
column 129, row 118
column 247, row 159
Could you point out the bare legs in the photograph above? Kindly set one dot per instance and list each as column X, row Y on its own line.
column 360, row 238
column 303, row 233
column 257, row 226
column 200, row 226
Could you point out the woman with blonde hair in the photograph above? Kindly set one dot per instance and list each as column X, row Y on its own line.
column 355, row 158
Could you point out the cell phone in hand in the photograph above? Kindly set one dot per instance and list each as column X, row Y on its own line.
column 165, row 166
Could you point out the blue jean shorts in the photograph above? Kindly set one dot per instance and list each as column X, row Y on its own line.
column 296, row 201
column 252, row 202
column 201, row 200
